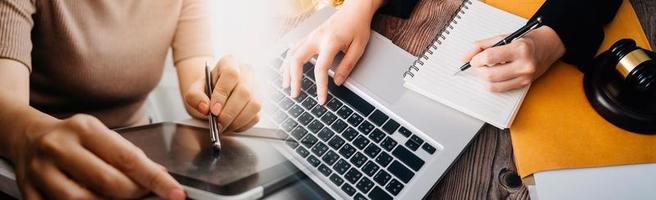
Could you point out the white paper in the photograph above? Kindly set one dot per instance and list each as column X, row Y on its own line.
column 465, row 92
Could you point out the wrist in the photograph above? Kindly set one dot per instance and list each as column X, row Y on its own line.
column 551, row 37
column 368, row 7
column 28, row 126
column 549, row 47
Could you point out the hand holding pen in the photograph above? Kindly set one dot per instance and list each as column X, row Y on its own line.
column 230, row 101
column 513, row 36
column 510, row 62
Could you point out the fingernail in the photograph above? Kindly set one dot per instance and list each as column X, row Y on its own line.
column 203, row 107
column 339, row 79
column 320, row 100
column 176, row 194
column 216, row 109
column 162, row 167
column 298, row 93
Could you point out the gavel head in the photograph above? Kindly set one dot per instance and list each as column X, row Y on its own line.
column 635, row 65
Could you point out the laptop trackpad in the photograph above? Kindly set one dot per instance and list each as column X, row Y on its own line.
column 380, row 75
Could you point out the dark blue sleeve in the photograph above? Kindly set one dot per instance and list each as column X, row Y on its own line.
column 579, row 24
column 398, row 8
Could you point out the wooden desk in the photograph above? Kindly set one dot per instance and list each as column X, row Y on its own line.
column 486, row 168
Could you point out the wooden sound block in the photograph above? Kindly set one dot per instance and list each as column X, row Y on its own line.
column 616, row 101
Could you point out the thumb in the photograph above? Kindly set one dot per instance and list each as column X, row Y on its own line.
column 196, row 99
column 480, row 46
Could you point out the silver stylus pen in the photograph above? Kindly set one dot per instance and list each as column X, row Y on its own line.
column 214, row 126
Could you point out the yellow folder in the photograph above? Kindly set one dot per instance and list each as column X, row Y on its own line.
column 556, row 128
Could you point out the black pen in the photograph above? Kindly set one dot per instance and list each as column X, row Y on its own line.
column 517, row 34
column 214, row 126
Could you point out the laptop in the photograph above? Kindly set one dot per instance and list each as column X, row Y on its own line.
column 373, row 139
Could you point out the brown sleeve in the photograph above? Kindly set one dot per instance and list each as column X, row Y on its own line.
column 193, row 36
column 15, row 30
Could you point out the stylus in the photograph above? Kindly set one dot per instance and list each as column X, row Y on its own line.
column 214, row 126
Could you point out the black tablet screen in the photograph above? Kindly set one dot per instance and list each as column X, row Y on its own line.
column 185, row 152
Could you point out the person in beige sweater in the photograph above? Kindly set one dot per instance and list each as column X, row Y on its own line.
column 72, row 70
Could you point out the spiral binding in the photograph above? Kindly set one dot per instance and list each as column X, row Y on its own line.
column 437, row 40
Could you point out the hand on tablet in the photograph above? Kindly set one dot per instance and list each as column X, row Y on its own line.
column 80, row 158
column 517, row 64
column 232, row 99
column 347, row 31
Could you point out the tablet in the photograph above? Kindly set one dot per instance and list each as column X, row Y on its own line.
column 247, row 168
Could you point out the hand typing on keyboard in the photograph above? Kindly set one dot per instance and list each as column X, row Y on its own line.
column 355, row 147
column 348, row 31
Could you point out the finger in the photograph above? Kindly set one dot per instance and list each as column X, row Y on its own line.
column 349, row 61
column 300, row 57
column 497, row 73
column 28, row 191
column 228, row 76
column 493, row 56
column 285, row 67
column 511, row 84
column 235, row 104
column 127, row 158
column 324, row 62
column 54, row 184
column 480, row 46
column 87, row 168
column 250, row 112
column 197, row 99
column 246, row 75
column 249, row 125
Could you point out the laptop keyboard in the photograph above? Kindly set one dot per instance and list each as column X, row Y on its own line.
column 347, row 140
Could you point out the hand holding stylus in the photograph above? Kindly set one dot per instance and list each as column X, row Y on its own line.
column 231, row 99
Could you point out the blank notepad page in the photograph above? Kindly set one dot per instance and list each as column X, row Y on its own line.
column 433, row 73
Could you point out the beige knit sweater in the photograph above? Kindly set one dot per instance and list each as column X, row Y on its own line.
column 100, row 57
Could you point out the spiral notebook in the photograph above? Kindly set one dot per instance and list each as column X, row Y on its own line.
column 432, row 73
